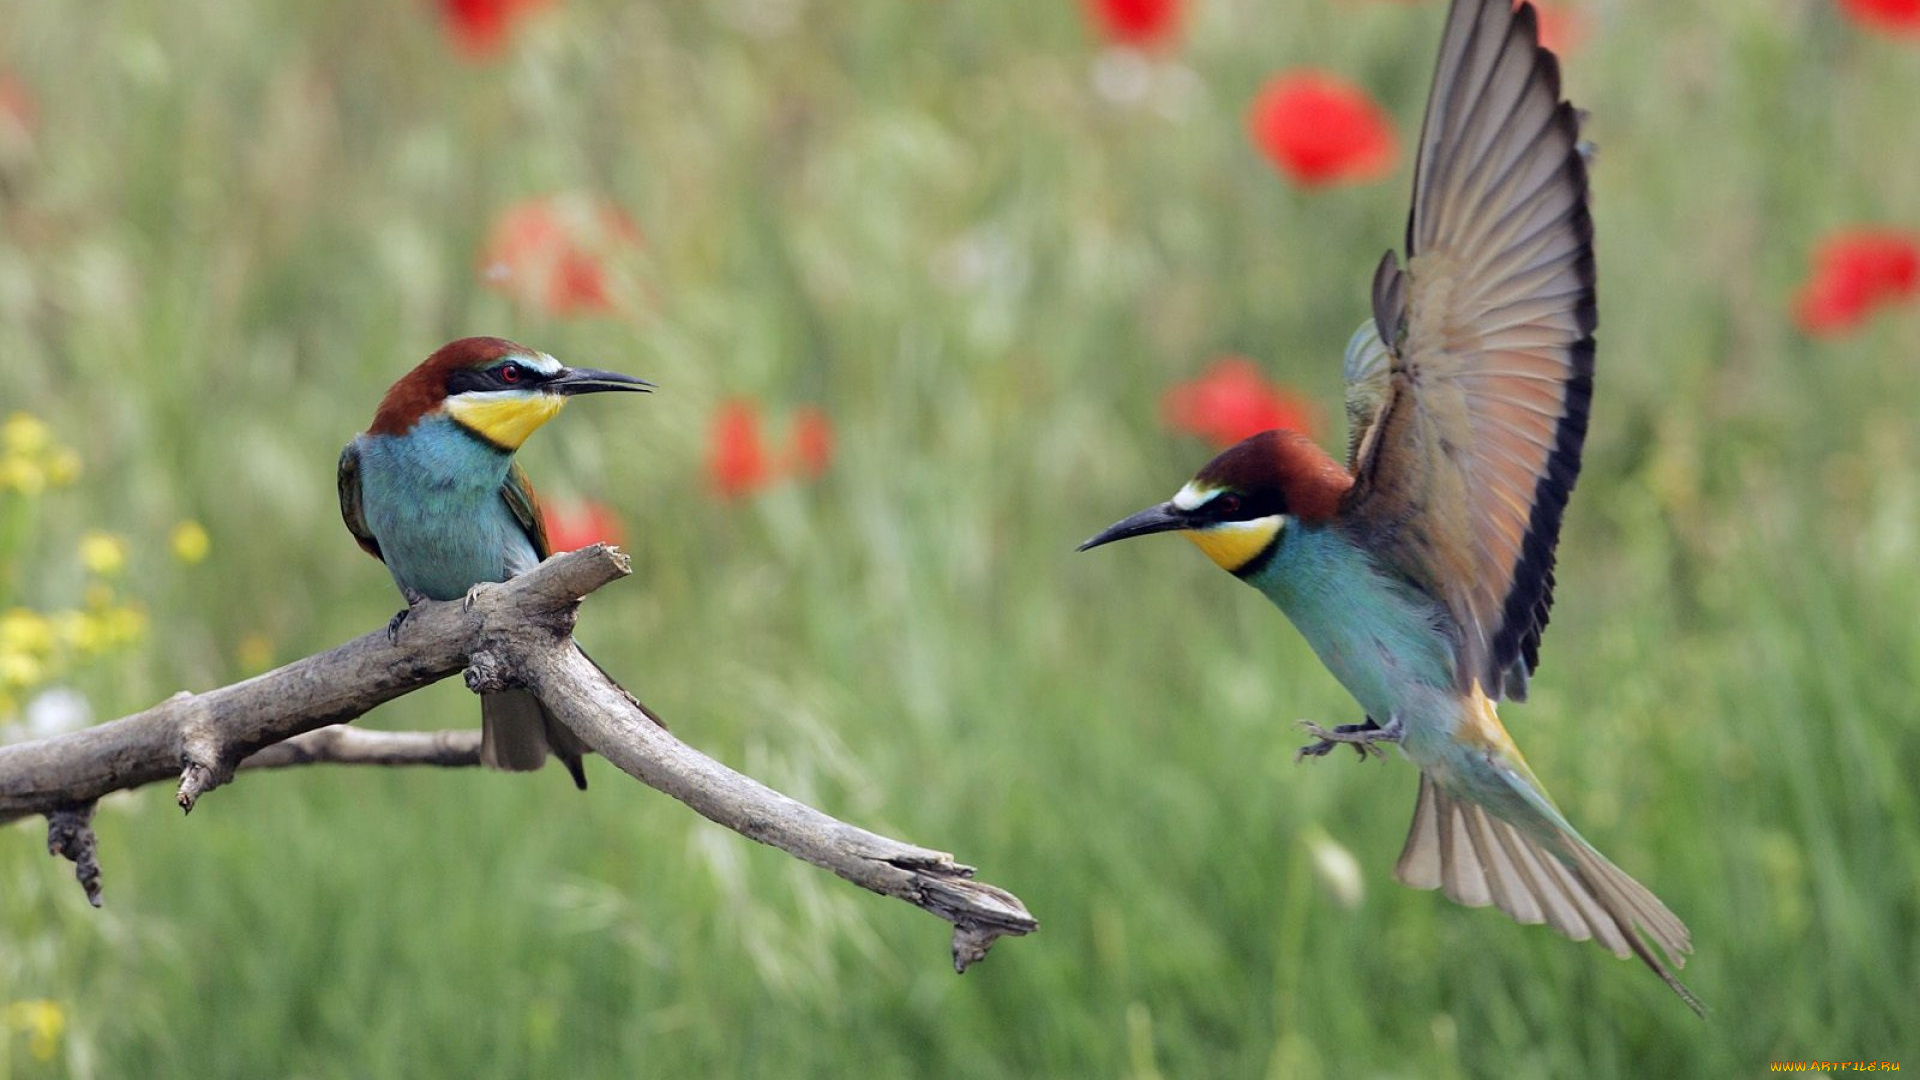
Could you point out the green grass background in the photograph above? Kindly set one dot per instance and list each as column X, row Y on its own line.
column 240, row 222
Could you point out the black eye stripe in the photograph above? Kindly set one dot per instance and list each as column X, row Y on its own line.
column 465, row 379
column 1239, row 506
column 493, row 378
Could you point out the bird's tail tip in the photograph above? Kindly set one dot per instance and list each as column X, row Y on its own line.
column 517, row 733
column 1480, row 859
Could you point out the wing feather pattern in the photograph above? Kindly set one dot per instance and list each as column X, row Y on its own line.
column 1468, row 419
column 520, row 499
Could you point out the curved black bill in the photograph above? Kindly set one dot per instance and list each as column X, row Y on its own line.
column 589, row 381
column 1163, row 518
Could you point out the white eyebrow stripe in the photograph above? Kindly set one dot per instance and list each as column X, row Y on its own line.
column 1275, row 522
column 541, row 362
column 518, row 393
column 1193, row 497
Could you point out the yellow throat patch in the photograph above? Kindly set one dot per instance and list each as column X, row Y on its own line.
column 1234, row 544
column 504, row 421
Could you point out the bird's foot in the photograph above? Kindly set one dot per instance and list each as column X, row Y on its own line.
column 473, row 593
column 414, row 600
column 1364, row 738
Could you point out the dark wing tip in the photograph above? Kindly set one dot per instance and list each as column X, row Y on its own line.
column 1524, row 614
column 1529, row 601
column 348, row 482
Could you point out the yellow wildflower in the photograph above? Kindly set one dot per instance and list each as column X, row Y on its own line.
column 24, row 630
column 44, row 1021
column 190, row 542
column 125, row 624
column 102, row 552
column 25, row 434
column 22, row 474
column 108, row 627
column 17, row 669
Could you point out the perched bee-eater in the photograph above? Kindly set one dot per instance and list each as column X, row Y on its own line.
column 1421, row 572
column 432, row 490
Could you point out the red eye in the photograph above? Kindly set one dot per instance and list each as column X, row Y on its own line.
column 510, row 373
column 1228, row 506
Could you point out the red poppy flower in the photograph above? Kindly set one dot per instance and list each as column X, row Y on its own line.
column 738, row 462
column 1232, row 400
column 574, row 525
column 1139, row 23
column 1887, row 16
column 1321, row 130
column 736, row 455
column 1562, row 28
column 553, row 253
column 480, row 28
column 1855, row 272
column 812, row 441
column 17, row 109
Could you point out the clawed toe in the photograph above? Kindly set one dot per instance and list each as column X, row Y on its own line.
column 414, row 600
column 1364, row 738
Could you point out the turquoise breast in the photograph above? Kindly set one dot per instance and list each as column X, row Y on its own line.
column 431, row 497
column 1383, row 638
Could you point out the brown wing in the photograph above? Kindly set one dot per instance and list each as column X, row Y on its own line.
column 1466, row 469
column 518, row 493
column 349, row 481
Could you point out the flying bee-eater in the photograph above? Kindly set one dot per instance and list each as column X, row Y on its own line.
column 1421, row 571
column 432, row 490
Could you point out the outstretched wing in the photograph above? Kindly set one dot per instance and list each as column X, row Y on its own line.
column 349, row 481
column 1464, row 471
column 519, row 497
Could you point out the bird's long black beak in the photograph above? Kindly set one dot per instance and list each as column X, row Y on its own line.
column 589, row 381
column 1163, row 518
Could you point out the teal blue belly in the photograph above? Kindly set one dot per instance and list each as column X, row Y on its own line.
column 432, row 500
column 1383, row 639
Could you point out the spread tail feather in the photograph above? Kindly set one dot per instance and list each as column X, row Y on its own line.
column 1480, row 859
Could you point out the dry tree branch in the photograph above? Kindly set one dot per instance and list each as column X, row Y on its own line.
column 517, row 633
column 459, row 749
